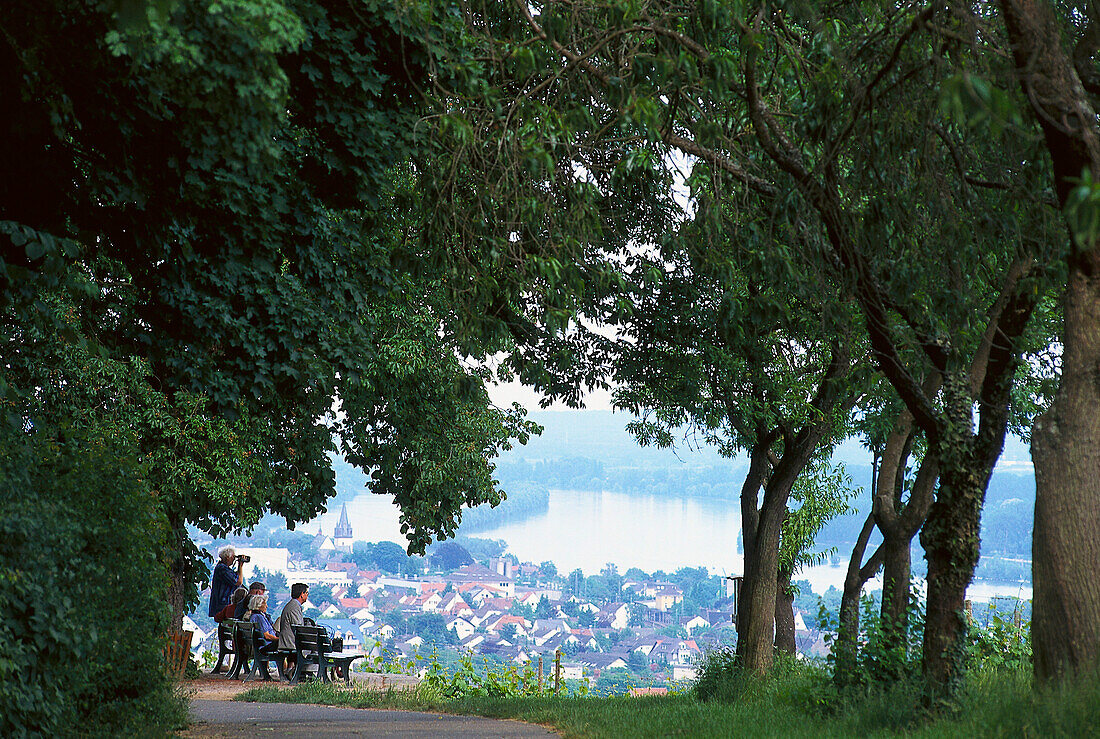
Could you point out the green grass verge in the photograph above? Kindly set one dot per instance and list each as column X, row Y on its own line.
column 801, row 705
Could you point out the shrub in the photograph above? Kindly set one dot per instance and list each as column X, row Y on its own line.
column 85, row 621
column 1001, row 645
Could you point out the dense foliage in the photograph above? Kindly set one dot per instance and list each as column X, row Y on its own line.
column 84, row 589
column 218, row 189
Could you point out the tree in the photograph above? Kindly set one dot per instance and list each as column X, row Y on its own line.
column 449, row 556
column 715, row 346
column 81, row 526
column 212, row 190
column 389, row 557
column 787, row 149
column 1060, row 86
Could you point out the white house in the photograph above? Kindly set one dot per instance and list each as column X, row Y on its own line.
column 684, row 672
column 320, row 577
column 198, row 636
column 615, row 615
column 572, row 671
column 462, row 627
column 363, row 615
column 695, row 622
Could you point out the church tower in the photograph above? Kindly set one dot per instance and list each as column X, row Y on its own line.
column 343, row 536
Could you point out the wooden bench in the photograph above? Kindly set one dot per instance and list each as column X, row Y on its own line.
column 313, row 647
column 250, row 633
column 226, row 648
column 241, row 646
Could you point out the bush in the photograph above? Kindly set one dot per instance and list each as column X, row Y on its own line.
column 791, row 681
column 86, row 619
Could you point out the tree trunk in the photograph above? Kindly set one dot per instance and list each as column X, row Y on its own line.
column 895, row 590
column 750, row 521
column 846, row 645
column 1065, row 626
column 950, row 539
column 784, row 614
column 756, row 619
column 177, row 589
column 185, row 570
column 179, row 586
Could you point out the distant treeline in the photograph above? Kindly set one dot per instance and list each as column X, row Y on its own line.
column 525, row 499
column 582, row 473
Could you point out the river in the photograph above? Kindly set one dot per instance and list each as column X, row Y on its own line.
column 587, row 530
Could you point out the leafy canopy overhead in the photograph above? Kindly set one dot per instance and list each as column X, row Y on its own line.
column 211, row 191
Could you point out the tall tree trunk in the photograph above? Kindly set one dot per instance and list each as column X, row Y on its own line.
column 951, row 534
column 179, row 569
column 895, row 590
column 1065, row 626
column 846, row 645
column 950, row 539
column 756, row 619
column 1066, row 538
column 784, row 614
column 750, row 521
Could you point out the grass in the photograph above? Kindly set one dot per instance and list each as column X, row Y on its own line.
column 800, row 704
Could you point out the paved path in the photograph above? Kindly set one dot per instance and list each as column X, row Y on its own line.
column 214, row 718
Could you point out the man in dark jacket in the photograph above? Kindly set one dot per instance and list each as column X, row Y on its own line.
column 224, row 580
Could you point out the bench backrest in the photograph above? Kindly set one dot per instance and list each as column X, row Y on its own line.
column 243, row 636
column 225, row 632
column 311, row 639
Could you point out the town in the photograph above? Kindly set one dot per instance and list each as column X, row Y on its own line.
column 612, row 629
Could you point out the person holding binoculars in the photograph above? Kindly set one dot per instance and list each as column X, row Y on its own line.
column 225, row 580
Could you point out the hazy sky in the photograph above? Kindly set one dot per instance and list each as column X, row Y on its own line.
column 514, row 392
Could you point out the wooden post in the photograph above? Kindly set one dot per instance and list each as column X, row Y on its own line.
column 557, row 671
column 540, row 674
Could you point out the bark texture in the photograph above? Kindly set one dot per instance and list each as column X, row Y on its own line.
column 1066, row 539
column 784, row 614
column 1066, row 439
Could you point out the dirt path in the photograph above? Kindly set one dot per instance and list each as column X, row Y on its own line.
column 215, row 715
column 220, row 689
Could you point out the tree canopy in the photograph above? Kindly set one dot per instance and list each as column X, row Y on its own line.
column 215, row 195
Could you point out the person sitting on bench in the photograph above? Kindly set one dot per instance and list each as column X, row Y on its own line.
column 227, row 612
column 291, row 617
column 256, row 588
column 257, row 605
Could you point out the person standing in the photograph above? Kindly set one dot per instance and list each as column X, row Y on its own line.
column 224, row 581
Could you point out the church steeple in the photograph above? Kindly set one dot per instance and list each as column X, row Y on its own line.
column 343, row 528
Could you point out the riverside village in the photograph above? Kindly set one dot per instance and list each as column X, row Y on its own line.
column 612, row 631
